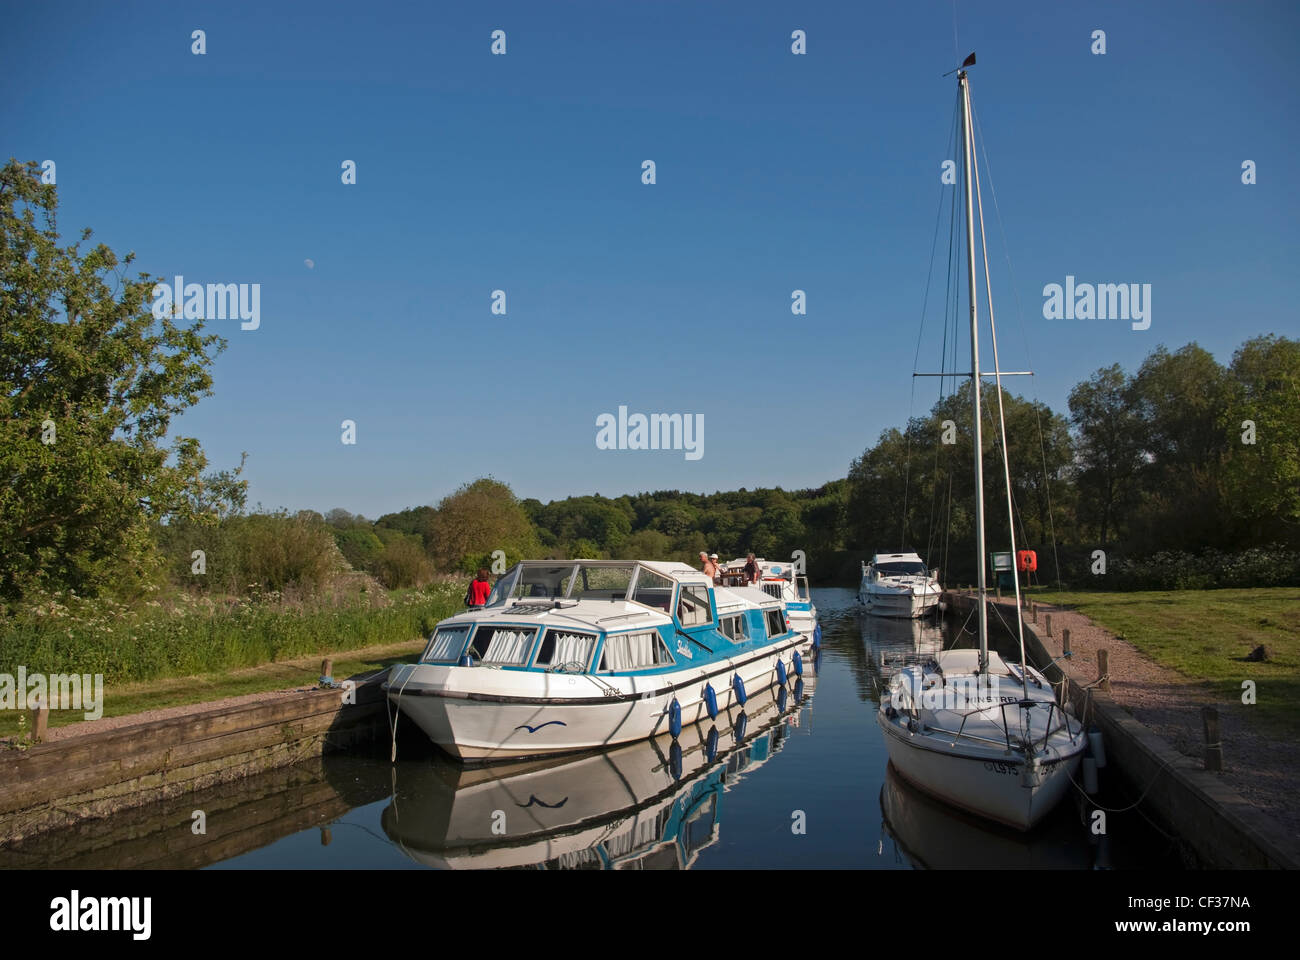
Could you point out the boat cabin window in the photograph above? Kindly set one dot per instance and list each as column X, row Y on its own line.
column 601, row 583
column 902, row 568
column 734, row 628
column 634, row 651
column 801, row 589
column 565, row 648
column 445, row 645
column 653, row 590
column 508, row 646
column 693, row 606
column 774, row 589
column 775, row 622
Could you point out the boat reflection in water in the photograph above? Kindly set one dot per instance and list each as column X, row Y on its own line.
column 653, row 804
column 897, row 643
column 892, row 644
column 931, row 835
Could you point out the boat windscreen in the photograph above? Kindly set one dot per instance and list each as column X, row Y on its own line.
column 532, row 581
column 601, row 582
column 902, row 568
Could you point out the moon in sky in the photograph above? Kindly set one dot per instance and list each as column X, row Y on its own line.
column 311, row 264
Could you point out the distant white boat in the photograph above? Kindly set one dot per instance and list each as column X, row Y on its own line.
column 779, row 579
column 898, row 585
column 968, row 727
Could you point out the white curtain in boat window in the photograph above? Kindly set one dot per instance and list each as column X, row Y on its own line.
column 509, row 646
column 572, row 648
column 630, row 651
column 447, row 643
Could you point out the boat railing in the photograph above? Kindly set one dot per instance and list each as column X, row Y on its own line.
column 961, row 735
column 624, row 616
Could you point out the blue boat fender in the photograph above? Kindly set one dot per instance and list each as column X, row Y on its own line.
column 675, row 718
column 780, row 672
column 738, row 686
column 710, row 701
column 798, row 664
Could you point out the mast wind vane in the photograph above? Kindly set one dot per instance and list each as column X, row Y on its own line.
column 968, row 62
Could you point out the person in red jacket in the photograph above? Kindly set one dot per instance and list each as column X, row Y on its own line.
column 479, row 589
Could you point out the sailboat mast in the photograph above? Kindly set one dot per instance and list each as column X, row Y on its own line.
column 967, row 150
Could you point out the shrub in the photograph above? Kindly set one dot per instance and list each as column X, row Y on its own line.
column 257, row 552
column 403, row 563
column 1270, row 566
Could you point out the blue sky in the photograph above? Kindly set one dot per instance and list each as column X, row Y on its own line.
column 522, row 172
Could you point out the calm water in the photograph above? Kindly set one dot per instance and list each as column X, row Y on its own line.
column 813, row 759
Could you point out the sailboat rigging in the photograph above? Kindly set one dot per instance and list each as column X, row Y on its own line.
column 977, row 731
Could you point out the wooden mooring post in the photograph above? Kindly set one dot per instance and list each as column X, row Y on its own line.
column 327, row 671
column 40, row 719
column 1065, row 642
column 1048, row 618
column 1033, row 611
column 1213, row 742
column 1103, row 671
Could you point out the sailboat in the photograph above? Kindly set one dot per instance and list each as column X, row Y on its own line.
column 981, row 733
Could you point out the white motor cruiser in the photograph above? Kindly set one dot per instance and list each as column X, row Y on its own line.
column 898, row 585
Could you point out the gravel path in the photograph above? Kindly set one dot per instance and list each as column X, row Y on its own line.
column 1264, row 769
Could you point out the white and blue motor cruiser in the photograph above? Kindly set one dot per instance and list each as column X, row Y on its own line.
column 573, row 655
column 780, row 580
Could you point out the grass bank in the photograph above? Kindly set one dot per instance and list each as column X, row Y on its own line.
column 125, row 699
column 1206, row 635
column 186, row 648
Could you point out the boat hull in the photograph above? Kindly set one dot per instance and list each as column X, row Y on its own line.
column 902, row 605
column 979, row 781
column 478, row 714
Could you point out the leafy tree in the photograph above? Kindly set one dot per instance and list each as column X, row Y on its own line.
column 1262, row 478
column 1182, row 399
column 89, row 383
column 1109, row 448
column 478, row 519
column 413, row 520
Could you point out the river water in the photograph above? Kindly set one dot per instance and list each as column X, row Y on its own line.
column 802, row 781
